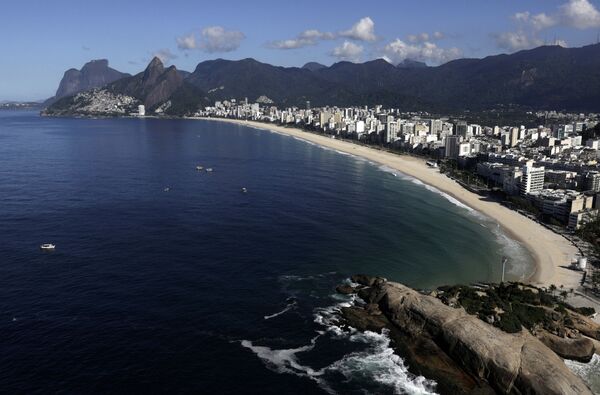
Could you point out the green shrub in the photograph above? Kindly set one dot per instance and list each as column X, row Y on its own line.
column 530, row 315
column 509, row 323
column 586, row 311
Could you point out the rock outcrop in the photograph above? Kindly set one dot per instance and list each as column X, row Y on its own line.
column 93, row 74
column 162, row 90
column 508, row 363
column 579, row 349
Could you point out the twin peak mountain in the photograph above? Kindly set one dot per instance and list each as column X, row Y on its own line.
column 547, row 77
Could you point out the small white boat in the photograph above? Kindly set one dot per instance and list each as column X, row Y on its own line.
column 209, row 169
column 167, row 189
column 244, row 190
column 47, row 246
column 199, row 168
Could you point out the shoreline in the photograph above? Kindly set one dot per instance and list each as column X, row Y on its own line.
column 551, row 252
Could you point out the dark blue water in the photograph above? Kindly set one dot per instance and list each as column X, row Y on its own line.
column 180, row 290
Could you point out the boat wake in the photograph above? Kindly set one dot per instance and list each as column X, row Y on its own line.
column 291, row 306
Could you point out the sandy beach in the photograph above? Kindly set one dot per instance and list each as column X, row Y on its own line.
column 552, row 253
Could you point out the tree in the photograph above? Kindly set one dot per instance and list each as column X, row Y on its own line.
column 552, row 289
column 564, row 295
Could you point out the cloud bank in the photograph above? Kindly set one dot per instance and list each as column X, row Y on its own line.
column 212, row 39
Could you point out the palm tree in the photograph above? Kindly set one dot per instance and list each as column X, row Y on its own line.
column 564, row 295
column 552, row 289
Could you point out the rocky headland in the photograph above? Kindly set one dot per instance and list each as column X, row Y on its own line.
column 506, row 339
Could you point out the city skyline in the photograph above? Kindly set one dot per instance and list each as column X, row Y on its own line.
column 185, row 34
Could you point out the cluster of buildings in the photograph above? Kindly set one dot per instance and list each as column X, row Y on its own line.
column 551, row 166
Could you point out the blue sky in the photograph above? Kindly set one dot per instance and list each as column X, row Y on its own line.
column 41, row 39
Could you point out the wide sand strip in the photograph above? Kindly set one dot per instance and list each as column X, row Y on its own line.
column 552, row 252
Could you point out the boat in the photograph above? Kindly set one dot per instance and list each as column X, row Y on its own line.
column 167, row 189
column 209, row 169
column 199, row 168
column 244, row 190
column 47, row 246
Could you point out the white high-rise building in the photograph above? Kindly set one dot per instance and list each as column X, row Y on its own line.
column 141, row 110
column 532, row 179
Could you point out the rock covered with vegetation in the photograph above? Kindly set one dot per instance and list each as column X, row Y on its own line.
column 456, row 335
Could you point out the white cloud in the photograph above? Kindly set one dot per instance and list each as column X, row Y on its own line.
column 561, row 43
column 580, row 14
column 363, row 30
column 438, row 35
column 313, row 34
column 542, row 21
column 425, row 37
column 212, row 39
column 522, row 16
column 217, row 39
column 398, row 50
column 165, row 55
column 186, row 42
column 536, row 22
column 304, row 39
column 348, row 51
column 516, row 41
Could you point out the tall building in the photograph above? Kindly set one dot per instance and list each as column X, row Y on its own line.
column 452, row 146
column 462, row 129
column 514, row 137
column 532, row 179
column 435, row 126
column 391, row 131
column 591, row 181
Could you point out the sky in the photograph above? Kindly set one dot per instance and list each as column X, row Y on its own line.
column 42, row 39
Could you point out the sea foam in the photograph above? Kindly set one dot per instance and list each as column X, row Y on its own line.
column 589, row 372
column 377, row 363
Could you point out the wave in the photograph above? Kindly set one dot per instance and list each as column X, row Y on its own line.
column 380, row 364
column 387, row 169
column 376, row 365
column 433, row 189
column 589, row 372
column 289, row 307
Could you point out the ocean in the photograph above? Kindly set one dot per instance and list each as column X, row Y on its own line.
column 170, row 279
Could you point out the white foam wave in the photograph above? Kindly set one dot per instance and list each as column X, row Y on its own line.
column 289, row 307
column 377, row 363
column 381, row 364
column 283, row 361
column 433, row 189
column 308, row 142
column 387, row 169
column 589, row 372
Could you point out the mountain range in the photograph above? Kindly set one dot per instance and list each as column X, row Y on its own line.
column 547, row 77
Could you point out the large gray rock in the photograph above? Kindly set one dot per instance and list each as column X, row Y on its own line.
column 93, row 74
column 579, row 349
column 511, row 363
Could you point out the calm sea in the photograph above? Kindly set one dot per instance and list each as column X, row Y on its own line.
column 170, row 279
